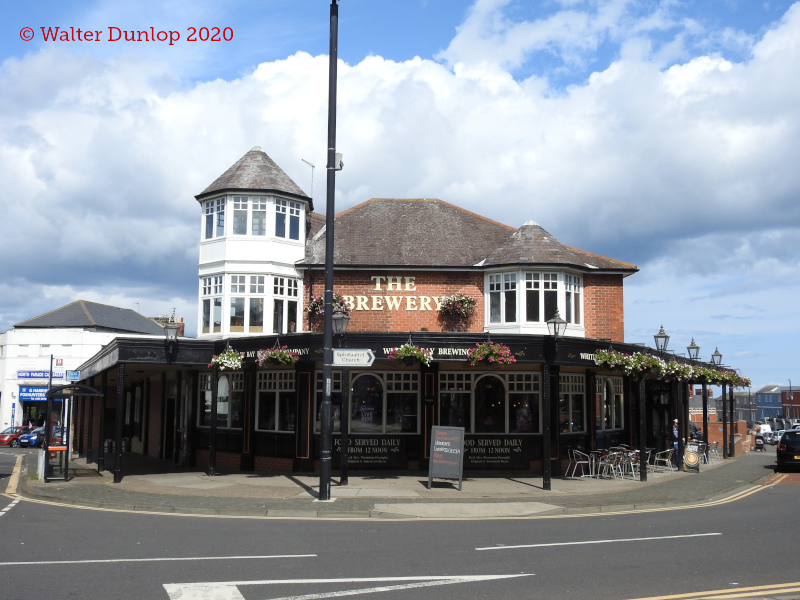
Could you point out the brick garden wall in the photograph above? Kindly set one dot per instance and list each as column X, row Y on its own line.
column 603, row 310
column 406, row 301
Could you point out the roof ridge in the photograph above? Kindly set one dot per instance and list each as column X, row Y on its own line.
column 88, row 314
column 454, row 206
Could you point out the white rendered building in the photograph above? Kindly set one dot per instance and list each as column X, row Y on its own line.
column 253, row 228
column 71, row 334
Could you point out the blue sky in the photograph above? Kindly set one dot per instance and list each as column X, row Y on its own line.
column 672, row 125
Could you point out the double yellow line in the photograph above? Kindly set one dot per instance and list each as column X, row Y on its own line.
column 746, row 592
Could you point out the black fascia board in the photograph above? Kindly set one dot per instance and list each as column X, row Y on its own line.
column 147, row 351
column 226, row 191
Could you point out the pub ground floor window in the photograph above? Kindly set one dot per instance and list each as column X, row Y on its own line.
column 380, row 403
column 276, row 409
column 230, row 400
column 609, row 402
column 571, row 403
column 493, row 403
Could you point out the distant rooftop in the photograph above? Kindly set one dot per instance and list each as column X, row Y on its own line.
column 91, row 315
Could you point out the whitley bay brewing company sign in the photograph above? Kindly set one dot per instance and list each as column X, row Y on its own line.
column 389, row 302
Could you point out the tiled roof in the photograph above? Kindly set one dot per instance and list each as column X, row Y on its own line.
column 316, row 222
column 531, row 244
column 255, row 172
column 429, row 232
column 82, row 313
column 402, row 232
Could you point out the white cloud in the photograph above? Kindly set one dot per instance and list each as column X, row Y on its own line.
column 100, row 159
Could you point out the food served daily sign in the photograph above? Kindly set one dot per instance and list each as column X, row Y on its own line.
column 447, row 454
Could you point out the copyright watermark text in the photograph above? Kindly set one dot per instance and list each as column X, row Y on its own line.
column 118, row 34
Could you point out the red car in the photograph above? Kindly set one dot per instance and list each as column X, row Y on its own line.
column 10, row 436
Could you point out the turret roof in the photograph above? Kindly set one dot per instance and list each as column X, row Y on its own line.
column 255, row 172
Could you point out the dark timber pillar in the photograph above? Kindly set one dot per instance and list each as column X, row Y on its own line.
column 724, row 423
column 731, row 438
column 101, row 456
column 642, row 432
column 546, row 466
column 705, row 419
column 212, row 442
column 120, row 422
column 90, row 431
column 177, row 416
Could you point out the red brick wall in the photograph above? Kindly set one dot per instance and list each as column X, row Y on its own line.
column 154, row 419
column 370, row 312
column 226, row 461
column 268, row 463
column 603, row 310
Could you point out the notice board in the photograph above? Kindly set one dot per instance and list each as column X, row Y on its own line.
column 447, row 454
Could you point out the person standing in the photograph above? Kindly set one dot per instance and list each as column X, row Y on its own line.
column 675, row 438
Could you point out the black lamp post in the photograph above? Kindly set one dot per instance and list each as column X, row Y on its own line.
column 716, row 358
column 556, row 328
column 693, row 350
column 171, row 341
column 326, row 437
column 340, row 321
column 662, row 339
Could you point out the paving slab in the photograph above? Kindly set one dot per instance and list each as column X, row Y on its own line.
column 466, row 509
column 397, row 494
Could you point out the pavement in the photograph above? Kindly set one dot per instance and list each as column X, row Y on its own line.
column 159, row 487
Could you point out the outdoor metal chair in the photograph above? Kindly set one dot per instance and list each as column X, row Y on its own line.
column 663, row 458
column 579, row 458
column 713, row 451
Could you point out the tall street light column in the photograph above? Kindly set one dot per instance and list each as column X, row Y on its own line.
column 556, row 328
column 326, row 426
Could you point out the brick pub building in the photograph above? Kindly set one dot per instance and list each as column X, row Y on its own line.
column 262, row 263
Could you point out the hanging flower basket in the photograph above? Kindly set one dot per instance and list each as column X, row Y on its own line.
column 228, row 359
column 457, row 306
column 409, row 354
column 316, row 306
column 281, row 355
column 489, row 353
column 639, row 364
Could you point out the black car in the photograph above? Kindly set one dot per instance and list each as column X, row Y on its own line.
column 788, row 451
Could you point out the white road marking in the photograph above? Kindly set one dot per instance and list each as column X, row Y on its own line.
column 9, row 507
column 227, row 590
column 121, row 560
column 644, row 539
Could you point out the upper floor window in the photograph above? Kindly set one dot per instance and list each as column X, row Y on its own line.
column 284, row 209
column 572, row 302
column 239, row 215
column 215, row 218
column 541, row 296
column 238, row 284
column 503, row 298
column 256, row 284
column 259, row 223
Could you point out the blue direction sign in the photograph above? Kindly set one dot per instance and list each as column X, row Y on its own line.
column 73, row 375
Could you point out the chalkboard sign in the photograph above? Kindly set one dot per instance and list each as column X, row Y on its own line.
column 447, row 454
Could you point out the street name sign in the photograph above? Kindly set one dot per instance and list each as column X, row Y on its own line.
column 353, row 357
column 447, row 454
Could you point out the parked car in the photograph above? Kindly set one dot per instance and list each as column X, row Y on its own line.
column 32, row 438
column 777, row 436
column 788, row 451
column 10, row 436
